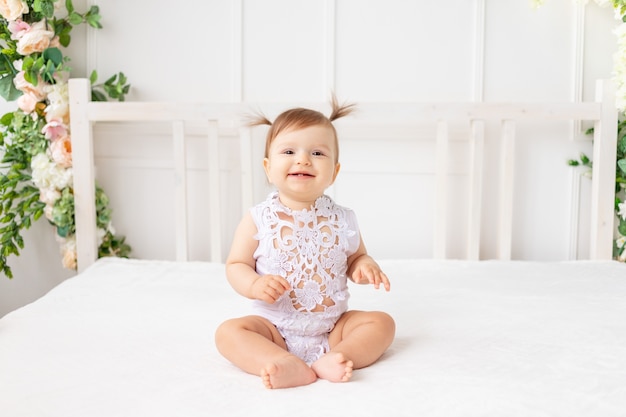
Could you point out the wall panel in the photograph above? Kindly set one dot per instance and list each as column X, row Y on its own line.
column 402, row 50
column 367, row 50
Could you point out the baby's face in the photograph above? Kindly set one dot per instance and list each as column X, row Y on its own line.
column 302, row 164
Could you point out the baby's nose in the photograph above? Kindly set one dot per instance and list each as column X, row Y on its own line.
column 303, row 158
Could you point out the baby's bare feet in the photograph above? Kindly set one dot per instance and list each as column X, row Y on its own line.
column 287, row 372
column 334, row 367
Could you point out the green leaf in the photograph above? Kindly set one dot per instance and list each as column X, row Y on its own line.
column 622, row 165
column 584, row 158
column 63, row 231
column 92, row 17
column 45, row 7
column 98, row 96
column 6, row 270
column 94, row 21
column 53, row 55
column 93, row 77
column 111, row 80
column 7, row 88
column 7, row 119
column 75, row 18
column 69, row 6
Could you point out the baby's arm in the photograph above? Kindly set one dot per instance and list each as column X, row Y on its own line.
column 362, row 269
column 240, row 267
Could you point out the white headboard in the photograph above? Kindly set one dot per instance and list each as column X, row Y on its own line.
column 225, row 118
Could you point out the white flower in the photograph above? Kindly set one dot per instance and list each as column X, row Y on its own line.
column 47, row 174
column 47, row 211
column 100, row 234
column 622, row 210
column 59, row 105
column 49, row 195
column 68, row 251
column 13, row 9
column 621, row 244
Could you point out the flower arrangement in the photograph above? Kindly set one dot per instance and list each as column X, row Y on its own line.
column 619, row 243
column 619, row 77
column 35, row 140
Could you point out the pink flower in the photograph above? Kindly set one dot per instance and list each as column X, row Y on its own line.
column 37, row 39
column 61, row 151
column 37, row 91
column 54, row 129
column 18, row 28
column 27, row 103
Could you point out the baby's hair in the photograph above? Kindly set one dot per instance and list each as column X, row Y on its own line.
column 300, row 118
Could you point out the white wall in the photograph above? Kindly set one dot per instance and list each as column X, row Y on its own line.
column 365, row 50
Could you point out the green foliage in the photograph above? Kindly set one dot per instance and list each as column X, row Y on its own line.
column 115, row 87
column 51, row 61
column 620, row 180
column 22, row 140
column 620, row 7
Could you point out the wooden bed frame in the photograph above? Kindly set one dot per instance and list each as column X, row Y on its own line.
column 220, row 117
column 473, row 337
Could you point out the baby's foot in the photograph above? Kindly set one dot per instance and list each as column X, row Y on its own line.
column 333, row 367
column 287, row 372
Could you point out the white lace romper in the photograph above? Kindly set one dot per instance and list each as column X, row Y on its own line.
column 310, row 249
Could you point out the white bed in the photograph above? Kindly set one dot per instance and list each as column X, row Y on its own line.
column 474, row 337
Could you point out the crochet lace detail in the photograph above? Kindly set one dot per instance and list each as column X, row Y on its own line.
column 310, row 249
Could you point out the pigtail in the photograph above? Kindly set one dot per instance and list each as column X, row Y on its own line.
column 257, row 119
column 339, row 110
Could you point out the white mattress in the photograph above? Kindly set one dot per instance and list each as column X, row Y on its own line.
column 135, row 338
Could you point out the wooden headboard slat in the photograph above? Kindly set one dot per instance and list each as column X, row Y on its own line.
column 442, row 118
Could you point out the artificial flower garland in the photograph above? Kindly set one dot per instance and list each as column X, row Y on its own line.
column 619, row 77
column 35, row 140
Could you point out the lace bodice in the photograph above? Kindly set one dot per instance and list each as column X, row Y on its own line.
column 310, row 249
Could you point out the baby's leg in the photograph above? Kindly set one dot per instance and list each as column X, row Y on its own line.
column 358, row 340
column 253, row 344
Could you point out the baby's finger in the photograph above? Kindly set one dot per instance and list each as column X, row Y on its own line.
column 377, row 278
column 374, row 279
column 285, row 284
column 280, row 284
column 357, row 276
column 385, row 281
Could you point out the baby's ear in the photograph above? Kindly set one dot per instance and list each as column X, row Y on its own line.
column 266, row 167
column 337, row 168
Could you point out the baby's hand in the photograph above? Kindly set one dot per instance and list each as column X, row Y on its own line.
column 269, row 288
column 370, row 273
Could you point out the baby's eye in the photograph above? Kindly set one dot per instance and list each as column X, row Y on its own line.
column 318, row 153
column 288, row 152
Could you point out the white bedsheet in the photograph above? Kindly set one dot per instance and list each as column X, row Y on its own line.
column 135, row 338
